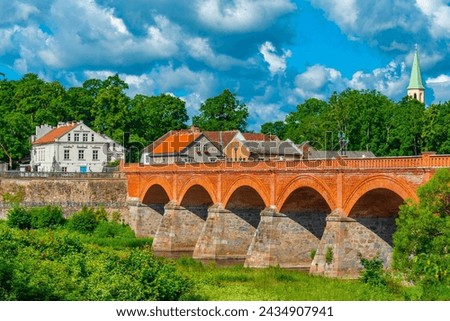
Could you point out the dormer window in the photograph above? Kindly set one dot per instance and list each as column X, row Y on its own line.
column 68, row 137
column 76, row 137
column 85, row 137
column 92, row 137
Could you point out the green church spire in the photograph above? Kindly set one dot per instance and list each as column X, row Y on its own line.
column 415, row 81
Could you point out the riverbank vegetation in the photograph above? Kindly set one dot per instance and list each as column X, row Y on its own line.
column 92, row 256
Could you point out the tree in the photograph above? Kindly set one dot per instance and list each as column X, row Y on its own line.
column 364, row 117
column 309, row 123
column 111, row 108
column 223, row 112
column 407, row 128
column 277, row 128
column 421, row 242
column 152, row 117
column 436, row 131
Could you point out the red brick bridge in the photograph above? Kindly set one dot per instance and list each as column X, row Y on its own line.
column 316, row 214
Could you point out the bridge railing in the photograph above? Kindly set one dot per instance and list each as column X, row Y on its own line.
column 427, row 160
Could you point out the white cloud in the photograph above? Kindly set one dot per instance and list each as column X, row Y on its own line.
column 438, row 13
column 200, row 49
column 381, row 22
column 318, row 82
column 441, row 87
column 277, row 63
column 344, row 12
column 16, row 11
column 241, row 15
column 391, row 80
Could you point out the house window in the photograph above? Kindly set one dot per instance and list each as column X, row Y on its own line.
column 81, row 154
column 85, row 137
column 95, row 155
column 64, row 169
column 198, row 149
column 66, row 154
column 92, row 137
column 68, row 137
column 76, row 137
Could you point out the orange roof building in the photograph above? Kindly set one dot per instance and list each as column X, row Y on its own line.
column 182, row 146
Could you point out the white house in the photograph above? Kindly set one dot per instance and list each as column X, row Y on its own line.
column 72, row 147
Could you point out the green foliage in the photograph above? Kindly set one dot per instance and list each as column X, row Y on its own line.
column 407, row 127
column 223, row 112
column 46, row 217
column 38, row 217
column 435, row 131
column 19, row 217
column 107, row 229
column 152, row 117
column 329, row 255
column 86, row 220
column 312, row 254
column 63, row 265
column 421, row 241
column 277, row 128
column 373, row 272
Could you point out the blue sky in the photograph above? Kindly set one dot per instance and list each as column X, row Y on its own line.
column 273, row 54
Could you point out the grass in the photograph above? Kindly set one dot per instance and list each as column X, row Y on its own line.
column 237, row 283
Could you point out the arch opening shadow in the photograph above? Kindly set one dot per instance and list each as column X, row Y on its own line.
column 308, row 208
column 197, row 200
column 377, row 210
column 246, row 203
column 155, row 198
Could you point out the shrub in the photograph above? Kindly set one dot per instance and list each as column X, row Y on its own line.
column 373, row 272
column 329, row 255
column 84, row 221
column 312, row 254
column 113, row 230
column 47, row 217
column 19, row 217
column 421, row 240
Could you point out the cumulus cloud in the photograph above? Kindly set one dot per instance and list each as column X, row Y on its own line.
column 438, row 14
column 277, row 63
column 440, row 86
column 241, row 15
column 16, row 11
column 391, row 80
column 382, row 22
column 200, row 49
column 318, row 82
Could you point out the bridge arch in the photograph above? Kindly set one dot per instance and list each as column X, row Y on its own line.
column 154, row 191
column 202, row 185
column 377, row 184
column 247, row 181
column 307, row 182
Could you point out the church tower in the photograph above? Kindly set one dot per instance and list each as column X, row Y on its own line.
column 416, row 89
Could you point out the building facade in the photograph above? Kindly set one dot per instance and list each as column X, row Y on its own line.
column 72, row 147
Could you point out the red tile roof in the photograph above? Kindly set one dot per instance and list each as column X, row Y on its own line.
column 175, row 142
column 259, row 137
column 54, row 134
column 221, row 137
